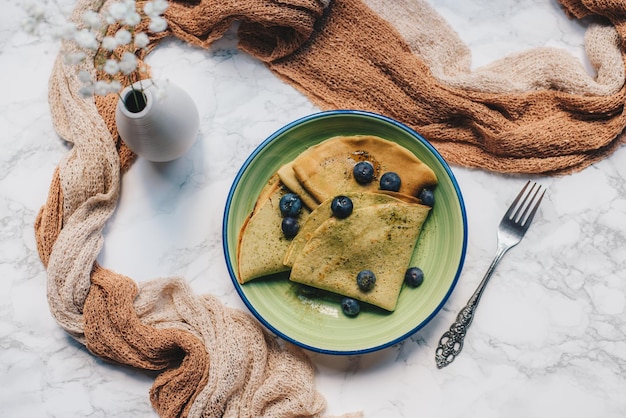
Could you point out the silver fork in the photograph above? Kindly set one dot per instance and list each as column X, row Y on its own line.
column 512, row 228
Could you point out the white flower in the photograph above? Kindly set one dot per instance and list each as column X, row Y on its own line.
column 155, row 8
column 157, row 24
column 64, row 31
column 123, row 37
column 148, row 9
column 120, row 10
column 117, row 11
column 84, row 77
column 74, row 58
column 86, row 39
column 128, row 63
column 141, row 40
column 160, row 93
column 89, row 34
column 86, row 91
column 101, row 88
column 115, row 86
column 132, row 19
column 161, row 6
column 92, row 19
column 109, row 43
column 111, row 67
column 110, row 20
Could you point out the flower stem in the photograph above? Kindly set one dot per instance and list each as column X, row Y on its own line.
column 136, row 103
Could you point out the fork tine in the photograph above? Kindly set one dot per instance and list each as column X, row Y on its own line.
column 523, row 213
column 531, row 215
column 523, row 208
column 510, row 213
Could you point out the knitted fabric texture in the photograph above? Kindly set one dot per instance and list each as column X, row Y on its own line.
column 449, row 59
column 531, row 113
column 356, row 60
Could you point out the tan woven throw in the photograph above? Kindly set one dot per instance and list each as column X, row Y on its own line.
column 536, row 112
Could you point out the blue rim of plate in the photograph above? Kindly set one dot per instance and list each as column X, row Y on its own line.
column 230, row 262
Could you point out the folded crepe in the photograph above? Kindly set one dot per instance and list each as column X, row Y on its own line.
column 289, row 179
column 380, row 237
column 323, row 212
column 325, row 170
column 262, row 244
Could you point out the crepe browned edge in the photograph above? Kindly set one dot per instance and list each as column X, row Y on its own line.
column 261, row 243
column 325, row 169
column 323, row 212
column 269, row 189
column 380, row 238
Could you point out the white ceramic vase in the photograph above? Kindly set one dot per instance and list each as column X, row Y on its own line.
column 163, row 127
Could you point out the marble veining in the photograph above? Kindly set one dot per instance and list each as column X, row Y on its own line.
column 548, row 338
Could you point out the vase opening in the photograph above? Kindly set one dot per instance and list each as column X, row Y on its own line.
column 135, row 101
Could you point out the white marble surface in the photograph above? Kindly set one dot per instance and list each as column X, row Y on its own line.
column 549, row 335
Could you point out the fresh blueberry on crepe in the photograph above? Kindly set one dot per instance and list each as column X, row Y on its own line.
column 366, row 279
column 290, row 205
column 290, row 227
column 363, row 172
column 341, row 207
column 390, row 181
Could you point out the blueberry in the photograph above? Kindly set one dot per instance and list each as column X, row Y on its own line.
column 390, row 181
column 290, row 227
column 414, row 276
column 427, row 197
column 341, row 206
column 350, row 307
column 290, row 205
column 366, row 279
column 363, row 172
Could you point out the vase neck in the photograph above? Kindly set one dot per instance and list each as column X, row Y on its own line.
column 135, row 101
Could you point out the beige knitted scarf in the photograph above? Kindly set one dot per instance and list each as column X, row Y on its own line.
column 536, row 112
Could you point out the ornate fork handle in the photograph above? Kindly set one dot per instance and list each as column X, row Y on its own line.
column 451, row 341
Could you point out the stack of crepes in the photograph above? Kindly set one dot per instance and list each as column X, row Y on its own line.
column 535, row 112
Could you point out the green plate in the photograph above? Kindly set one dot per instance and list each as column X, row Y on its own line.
column 318, row 324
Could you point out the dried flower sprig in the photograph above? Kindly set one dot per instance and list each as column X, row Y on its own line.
column 112, row 36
